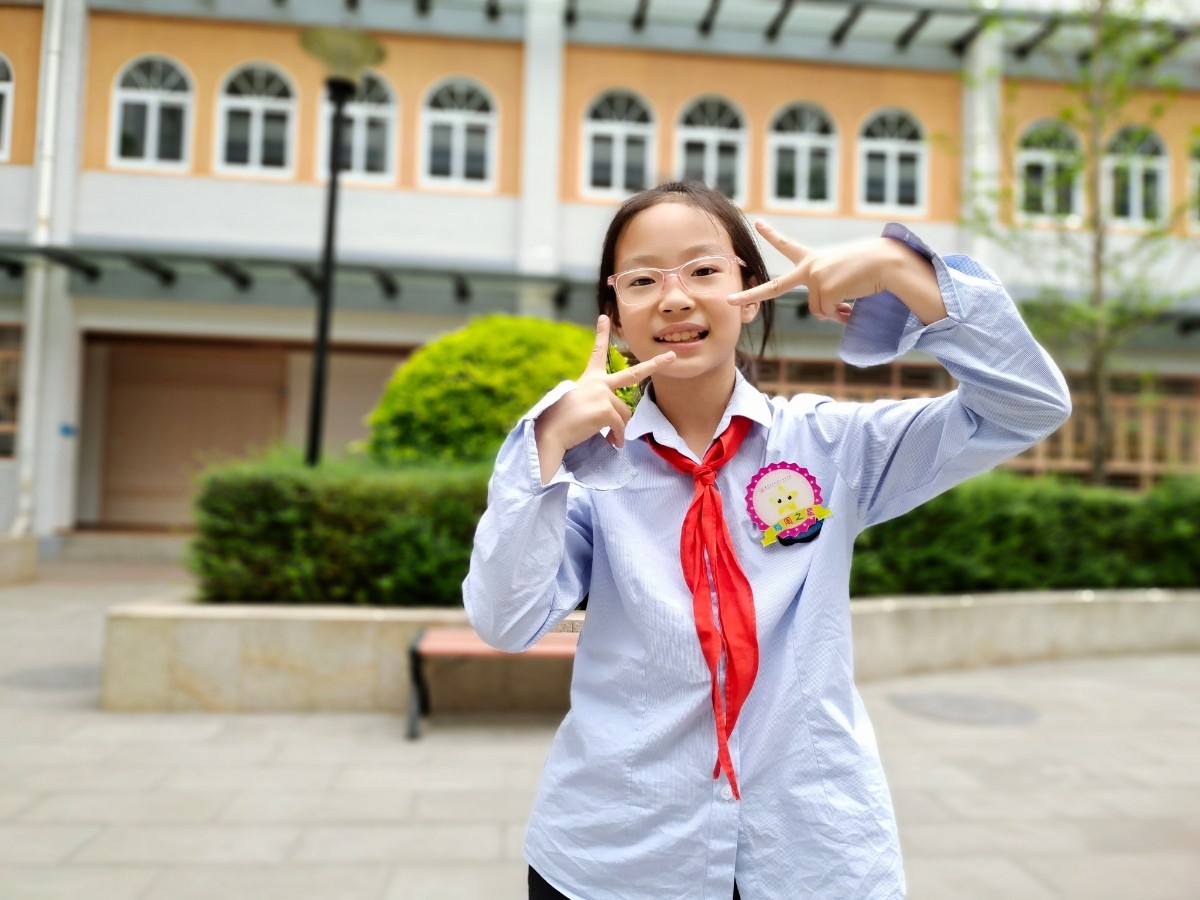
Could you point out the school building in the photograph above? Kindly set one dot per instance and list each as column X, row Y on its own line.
column 162, row 199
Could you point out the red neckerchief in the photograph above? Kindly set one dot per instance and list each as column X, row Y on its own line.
column 705, row 534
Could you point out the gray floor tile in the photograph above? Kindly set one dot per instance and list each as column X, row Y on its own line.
column 1122, row 876
column 181, row 844
column 202, row 777
column 128, row 808
column 314, row 807
column 502, row 881
column 33, row 844
column 293, row 881
column 974, row 878
column 13, row 803
column 75, row 882
column 400, row 843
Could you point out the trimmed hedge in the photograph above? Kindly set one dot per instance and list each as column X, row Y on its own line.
column 353, row 533
column 274, row 531
column 1003, row 532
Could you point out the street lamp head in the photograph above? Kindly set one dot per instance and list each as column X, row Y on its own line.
column 345, row 53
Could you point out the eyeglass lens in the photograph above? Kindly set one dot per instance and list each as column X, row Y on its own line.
column 699, row 276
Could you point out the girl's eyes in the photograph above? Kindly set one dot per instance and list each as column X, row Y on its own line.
column 705, row 271
column 642, row 281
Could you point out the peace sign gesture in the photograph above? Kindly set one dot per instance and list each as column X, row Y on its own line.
column 591, row 405
column 848, row 271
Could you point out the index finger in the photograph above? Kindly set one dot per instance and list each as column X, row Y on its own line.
column 634, row 374
column 598, row 361
column 771, row 289
column 794, row 251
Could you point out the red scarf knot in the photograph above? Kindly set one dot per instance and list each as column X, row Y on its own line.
column 706, row 548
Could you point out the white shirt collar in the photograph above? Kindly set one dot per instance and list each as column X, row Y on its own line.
column 746, row 400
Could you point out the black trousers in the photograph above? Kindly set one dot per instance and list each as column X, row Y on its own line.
column 540, row 890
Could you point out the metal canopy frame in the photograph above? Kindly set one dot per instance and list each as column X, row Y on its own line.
column 164, row 267
column 976, row 20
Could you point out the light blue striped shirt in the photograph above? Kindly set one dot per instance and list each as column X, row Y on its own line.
column 628, row 808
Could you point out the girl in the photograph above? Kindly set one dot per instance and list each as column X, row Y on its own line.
column 716, row 744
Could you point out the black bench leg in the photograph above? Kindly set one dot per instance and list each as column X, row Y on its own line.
column 418, row 697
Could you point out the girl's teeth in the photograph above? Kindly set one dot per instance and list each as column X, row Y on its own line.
column 681, row 336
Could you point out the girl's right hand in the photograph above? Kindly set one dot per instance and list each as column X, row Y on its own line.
column 591, row 405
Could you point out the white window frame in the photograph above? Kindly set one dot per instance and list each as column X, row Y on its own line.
column 8, row 91
column 1138, row 164
column 258, row 107
column 356, row 114
column 458, row 120
column 802, row 143
column 892, row 148
column 1193, row 200
column 153, row 99
column 1048, row 159
column 620, row 131
column 711, row 136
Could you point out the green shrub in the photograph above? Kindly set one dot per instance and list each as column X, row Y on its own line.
column 352, row 532
column 274, row 531
column 1002, row 532
column 457, row 397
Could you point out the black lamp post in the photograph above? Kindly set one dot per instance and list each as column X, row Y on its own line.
column 345, row 54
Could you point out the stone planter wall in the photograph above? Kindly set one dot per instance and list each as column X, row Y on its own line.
column 18, row 559
column 171, row 654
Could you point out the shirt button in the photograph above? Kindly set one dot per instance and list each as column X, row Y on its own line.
column 727, row 792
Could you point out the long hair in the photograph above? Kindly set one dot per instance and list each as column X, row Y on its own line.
column 722, row 210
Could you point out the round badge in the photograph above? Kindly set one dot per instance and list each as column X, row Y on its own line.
column 784, row 500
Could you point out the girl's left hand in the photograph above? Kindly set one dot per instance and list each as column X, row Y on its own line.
column 832, row 275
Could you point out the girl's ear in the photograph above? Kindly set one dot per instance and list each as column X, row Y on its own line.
column 750, row 310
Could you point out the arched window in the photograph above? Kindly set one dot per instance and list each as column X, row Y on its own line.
column 802, row 158
column 6, row 104
column 618, row 145
column 256, row 118
column 368, row 136
column 1194, row 181
column 1135, row 176
column 1049, row 168
column 459, row 136
column 892, row 161
column 712, row 146
column 152, row 115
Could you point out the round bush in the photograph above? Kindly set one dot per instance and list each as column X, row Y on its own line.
column 458, row 396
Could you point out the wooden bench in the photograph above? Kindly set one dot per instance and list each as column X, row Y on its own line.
column 446, row 642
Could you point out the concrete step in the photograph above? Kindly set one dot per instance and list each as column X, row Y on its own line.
column 94, row 546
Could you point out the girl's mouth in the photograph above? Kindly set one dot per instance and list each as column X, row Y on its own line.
column 682, row 337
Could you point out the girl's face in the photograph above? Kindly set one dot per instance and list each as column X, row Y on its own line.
column 664, row 236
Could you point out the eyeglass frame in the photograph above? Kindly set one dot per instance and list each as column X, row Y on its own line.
column 612, row 279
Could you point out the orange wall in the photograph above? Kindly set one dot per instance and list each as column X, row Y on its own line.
column 760, row 88
column 209, row 51
column 1026, row 102
column 21, row 43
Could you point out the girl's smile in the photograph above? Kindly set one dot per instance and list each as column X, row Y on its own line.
column 680, row 337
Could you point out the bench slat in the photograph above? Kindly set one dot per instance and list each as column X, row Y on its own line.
column 465, row 642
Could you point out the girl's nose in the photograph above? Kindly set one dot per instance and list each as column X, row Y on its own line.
column 674, row 298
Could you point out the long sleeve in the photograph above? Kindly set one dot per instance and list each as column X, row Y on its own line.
column 897, row 454
column 531, row 559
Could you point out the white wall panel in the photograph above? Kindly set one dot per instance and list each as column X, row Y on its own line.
column 253, row 217
column 16, row 196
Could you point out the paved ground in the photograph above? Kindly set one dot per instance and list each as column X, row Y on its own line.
column 1084, row 783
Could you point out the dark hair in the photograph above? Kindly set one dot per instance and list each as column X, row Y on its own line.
column 722, row 210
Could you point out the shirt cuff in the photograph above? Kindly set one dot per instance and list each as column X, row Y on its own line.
column 595, row 464
column 882, row 328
